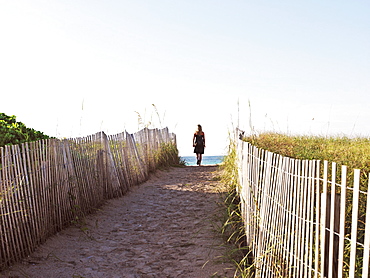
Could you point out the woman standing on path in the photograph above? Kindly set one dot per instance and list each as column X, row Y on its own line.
column 199, row 143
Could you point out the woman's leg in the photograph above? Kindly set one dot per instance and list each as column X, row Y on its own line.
column 200, row 159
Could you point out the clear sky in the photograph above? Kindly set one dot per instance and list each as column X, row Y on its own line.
column 74, row 67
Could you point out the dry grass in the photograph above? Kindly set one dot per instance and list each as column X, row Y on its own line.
column 352, row 152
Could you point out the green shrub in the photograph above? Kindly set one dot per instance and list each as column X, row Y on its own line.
column 13, row 132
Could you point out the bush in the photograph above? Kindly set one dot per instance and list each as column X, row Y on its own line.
column 13, row 132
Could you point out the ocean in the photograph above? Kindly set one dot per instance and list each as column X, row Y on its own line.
column 206, row 160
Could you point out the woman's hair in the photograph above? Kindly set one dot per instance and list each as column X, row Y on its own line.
column 199, row 129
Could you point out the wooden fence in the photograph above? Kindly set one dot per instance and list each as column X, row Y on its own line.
column 299, row 221
column 49, row 184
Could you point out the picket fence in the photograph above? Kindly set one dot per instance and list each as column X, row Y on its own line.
column 299, row 221
column 47, row 185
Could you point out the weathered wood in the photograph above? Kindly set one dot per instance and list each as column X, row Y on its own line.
column 12, row 187
column 355, row 205
column 49, row 184
column 5, row 236
column 365, row 270
column 317, row 218
column 323, row 204
column 343, row 197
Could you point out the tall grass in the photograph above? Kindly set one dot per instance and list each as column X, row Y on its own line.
column 232, row 228
column 352, row 152
column 168, row 155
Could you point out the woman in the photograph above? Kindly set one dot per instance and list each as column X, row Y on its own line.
column 199, row 143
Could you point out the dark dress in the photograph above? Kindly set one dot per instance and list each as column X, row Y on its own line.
column 199, row 144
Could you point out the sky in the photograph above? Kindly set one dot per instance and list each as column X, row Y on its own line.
column 72, row 68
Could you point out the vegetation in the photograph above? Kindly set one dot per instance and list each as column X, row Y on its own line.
column 232, row 228
column 13, row 132
column 352, row 152
column 168, row 155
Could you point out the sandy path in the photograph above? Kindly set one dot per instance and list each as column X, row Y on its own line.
column 162, row 228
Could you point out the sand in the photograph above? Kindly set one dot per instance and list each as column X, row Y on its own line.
column 164, row 227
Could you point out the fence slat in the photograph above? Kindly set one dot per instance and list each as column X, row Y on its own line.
column 342, row 220
column 332, row 208
column 365, row 268
column 323, row 217
column 356, row 190
column 311, row 222
column 5, row 236
column 318, row 219
column 300, row 210
column 12, row 210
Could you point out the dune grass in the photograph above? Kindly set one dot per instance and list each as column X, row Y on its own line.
column 352, row 152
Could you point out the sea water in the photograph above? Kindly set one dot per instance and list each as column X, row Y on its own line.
column 206, row 160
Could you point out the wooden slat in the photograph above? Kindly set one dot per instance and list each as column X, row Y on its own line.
column 4, row 210
column 273, row 218
column 50, row 187
column 356, row 191
column 289, row 215
column 323, row 218
column 47, row 193
column 307, row 215
column 343, row 197
column 280, row 219
column 311, row 213
column 332, row 213
column 365, row 266
column 295, row 231
column 317, row 218
column 301, row 218
column 61, row 175
column 33, row 195
column 22, row 205
column 291, row 218
column 40, row 187
column 12, row 194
